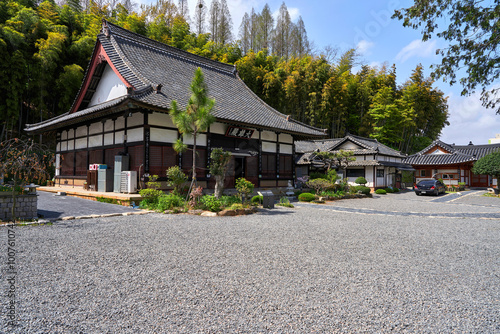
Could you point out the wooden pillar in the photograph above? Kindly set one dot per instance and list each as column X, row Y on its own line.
column 260, row 157
column 147, row 137
column 277, row 158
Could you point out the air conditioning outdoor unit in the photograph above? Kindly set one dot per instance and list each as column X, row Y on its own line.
column 129, row 182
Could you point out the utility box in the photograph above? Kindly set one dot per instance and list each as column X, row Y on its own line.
column 121, row 164
column 105, row 180
column 267, row 198
column 129, row 182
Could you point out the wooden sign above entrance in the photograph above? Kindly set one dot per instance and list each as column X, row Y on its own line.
column 238, row 132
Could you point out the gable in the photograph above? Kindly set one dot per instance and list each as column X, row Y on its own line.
column 348, row 145
column 110, row 87
column 437, row 150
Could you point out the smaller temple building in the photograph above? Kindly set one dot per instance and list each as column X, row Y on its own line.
column 452, row 163
column 379, row 164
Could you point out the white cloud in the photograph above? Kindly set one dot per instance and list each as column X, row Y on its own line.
column 364, row 47
column 469, row 121
column 417, row 48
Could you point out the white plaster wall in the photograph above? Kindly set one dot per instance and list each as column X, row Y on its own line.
column 163, row 135
column 201, row 140
column 136, row 119
column 81, row 131
column 58, row 147
column 71, row 133
column 120, row 123
column 95, row 128
column 287, row 149
column 161, row 119
column 286, row 138
column 119, row 137
column 108, row 139
column 268, row 135
column 108, row 126
column 95, row 141
column 268, row 147
column 64, row 135
column 218, row 128
column 70, row 145
column 348, row 146
column 110, row 87
column 369, row 176
column 449, row 171
column 81, row 143
column 134, row 135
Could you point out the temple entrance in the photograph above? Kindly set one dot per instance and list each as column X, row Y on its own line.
column 239, row 167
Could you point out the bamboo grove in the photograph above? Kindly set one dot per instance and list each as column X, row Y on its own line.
column 46, row 46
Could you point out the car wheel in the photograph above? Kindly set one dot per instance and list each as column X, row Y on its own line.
column 418, row 194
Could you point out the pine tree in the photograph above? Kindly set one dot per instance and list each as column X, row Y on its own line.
column 196, row 117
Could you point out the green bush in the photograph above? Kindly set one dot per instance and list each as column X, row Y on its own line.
column 150, row 198
column 176, row 178
column 230, row 200
column 320, row 185
column 361, row 180
column 306, row 197
column 380, row 192
column 244, row 187
column 396, row 190
column 284, row 201
column 317, row 175
column 389, row 190
column 363, row 190
column 211, row 203
column 168, row 202
column 257, row 199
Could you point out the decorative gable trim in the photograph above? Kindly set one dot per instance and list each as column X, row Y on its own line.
column 98, row 57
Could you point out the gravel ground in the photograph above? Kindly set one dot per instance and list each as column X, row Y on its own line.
column 302, row 270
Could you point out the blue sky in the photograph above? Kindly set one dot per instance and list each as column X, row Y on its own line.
column 366, row 25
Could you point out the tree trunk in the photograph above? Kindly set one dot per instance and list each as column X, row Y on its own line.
column 219, row 185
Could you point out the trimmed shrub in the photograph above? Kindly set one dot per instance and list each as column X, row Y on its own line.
column 380, row 192
column 229, row 200
column 396, row 190
column 168, row 202
column 389, row 190
column 319, row 185
column 211, row 203
column 306, row 197
column 361, row 180
column 257, row 199
column 364, row 190
column 317, row 175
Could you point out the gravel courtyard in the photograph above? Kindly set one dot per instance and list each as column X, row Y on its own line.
column 397, row 263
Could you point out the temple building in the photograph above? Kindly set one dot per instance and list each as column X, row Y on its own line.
column 122, row 109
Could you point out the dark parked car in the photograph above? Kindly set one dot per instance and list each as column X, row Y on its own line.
column 431, row 187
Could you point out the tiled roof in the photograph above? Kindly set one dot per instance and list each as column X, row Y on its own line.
column 458, row 154
column 145, row 63
column 368, row 146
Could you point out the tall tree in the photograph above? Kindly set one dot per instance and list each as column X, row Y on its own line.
column 299, row 41
column 281, row 38
column 245, row 34
column 214, row 20
column 183, row 9
column 472, row 29
column 197, row 116
column 266, row 26
column 199, row 17
column 225, row 24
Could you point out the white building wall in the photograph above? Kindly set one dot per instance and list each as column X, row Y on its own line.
column 110, row 87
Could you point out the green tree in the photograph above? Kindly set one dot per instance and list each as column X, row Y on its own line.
column 196, row 117
column 219, row 161
column 488, row 165
column 472, row 29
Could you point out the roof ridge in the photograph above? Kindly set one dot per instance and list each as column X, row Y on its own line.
column 172, row 50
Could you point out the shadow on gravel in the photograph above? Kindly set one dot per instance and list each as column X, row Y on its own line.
column 270, row 212
column 49, row 214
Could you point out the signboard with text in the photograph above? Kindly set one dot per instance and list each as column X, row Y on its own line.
column 238, row 132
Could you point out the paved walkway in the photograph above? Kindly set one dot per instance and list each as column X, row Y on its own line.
column 54, row 207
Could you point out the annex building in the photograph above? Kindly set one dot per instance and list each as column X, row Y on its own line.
column 379, row 164
column 452, row 163
column 122, row 110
